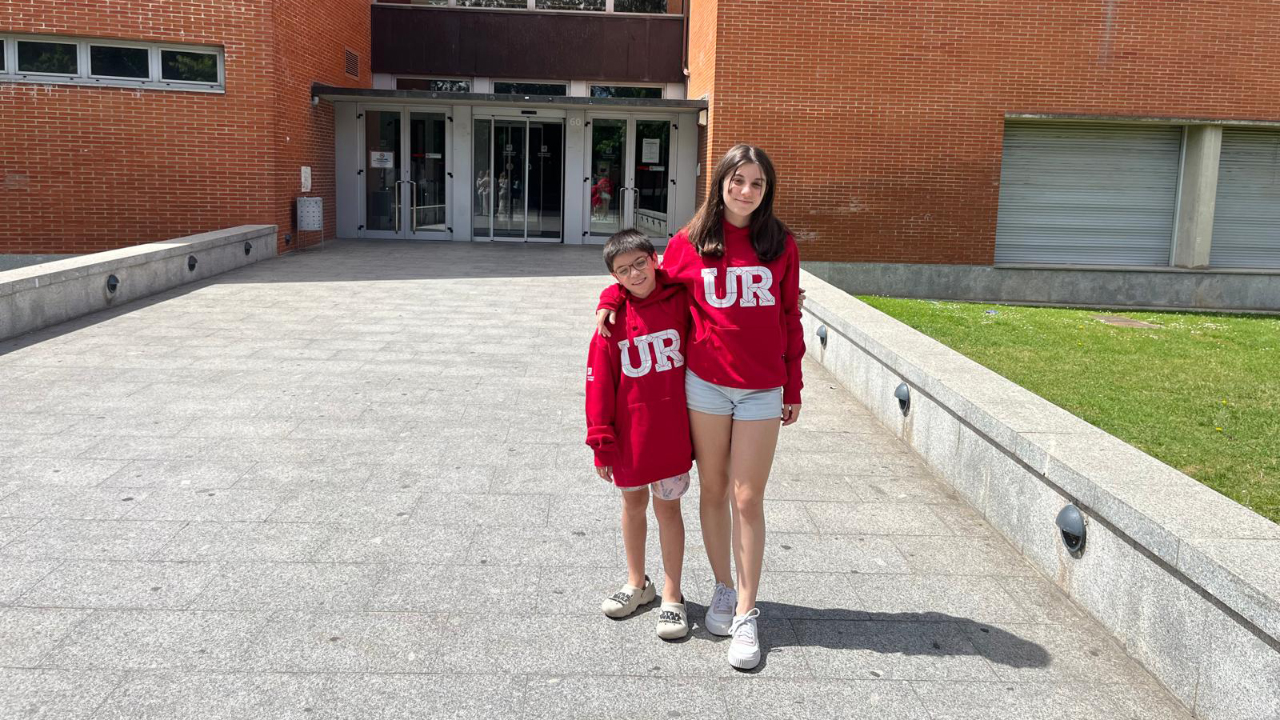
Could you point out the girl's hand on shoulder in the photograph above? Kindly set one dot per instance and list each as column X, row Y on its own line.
column 790, row 413
column 605, row 318
column 605, row 473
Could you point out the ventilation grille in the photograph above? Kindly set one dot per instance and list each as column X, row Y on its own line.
column 353, row 64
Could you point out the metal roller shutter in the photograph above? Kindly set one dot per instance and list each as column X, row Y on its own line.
column 1246, row 219
column 1082, row 194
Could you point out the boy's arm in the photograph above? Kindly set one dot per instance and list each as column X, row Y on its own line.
column 792, row 327
column 601, row 399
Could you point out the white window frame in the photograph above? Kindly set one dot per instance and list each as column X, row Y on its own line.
column 84, row 75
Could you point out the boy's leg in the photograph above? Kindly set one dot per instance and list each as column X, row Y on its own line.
column 671, row 537
column 635, row 505
column 751, row 458
column 711, row 435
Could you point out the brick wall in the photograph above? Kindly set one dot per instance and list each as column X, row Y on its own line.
column 87, row 169
column 885, row 117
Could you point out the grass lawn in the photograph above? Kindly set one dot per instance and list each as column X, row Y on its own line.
column 1200, row 392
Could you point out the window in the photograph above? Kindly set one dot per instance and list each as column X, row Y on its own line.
column 119, row 62
column 53, row 58
column 433, row 85
column 520, row 4
column 186, row 66
column 525, row 88
column 649, row 7
column 592, row 5
column 73, row 61
column 624, row 91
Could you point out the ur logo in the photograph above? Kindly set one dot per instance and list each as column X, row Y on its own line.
column 755, row 283
column 657, row 351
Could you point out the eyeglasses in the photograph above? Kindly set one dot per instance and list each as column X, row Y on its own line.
column 639, row 266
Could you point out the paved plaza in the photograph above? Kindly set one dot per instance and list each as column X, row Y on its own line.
column 351, row 483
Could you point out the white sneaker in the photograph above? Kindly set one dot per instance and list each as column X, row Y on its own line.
column 720, row 611
column 628, row 599
column 673, row 622
column 744, row 650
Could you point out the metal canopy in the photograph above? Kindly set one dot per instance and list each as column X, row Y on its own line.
column 427, row 97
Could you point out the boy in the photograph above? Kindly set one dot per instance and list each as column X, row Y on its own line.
column 638, row 424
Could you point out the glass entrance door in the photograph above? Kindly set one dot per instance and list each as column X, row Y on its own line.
column 629, row 176
column 519, row 179
column 405, row 174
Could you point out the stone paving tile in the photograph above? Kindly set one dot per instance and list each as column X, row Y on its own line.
column 832, row 553
column 876, row 519
column 862, row 650
column 62, row 472
column 962, row 556
column 36, row 423
column 160, row 639
column 349, row 642
column 54, row 694
column 482, row 510
column 177, row 474
column 937, row 598
column 11, row 528
column 611, row 697
column 20, row 445
column 30, row 633
column 467, row 589
column 289, row 586
column 90, row 540
column 120, row 584
column 247, row 541
column 18, row 576
column 822, row 700
column 397, row 543
column 1043, row 701
column 70, row 503
column 209, row 504
column 1075, row 652
column 544, row 546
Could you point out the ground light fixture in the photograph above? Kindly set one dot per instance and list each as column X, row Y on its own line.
column 1070, row 523
column 191, row 263
column 248, row 247
column 822, row 335
column 903, row 393
column 113, row 282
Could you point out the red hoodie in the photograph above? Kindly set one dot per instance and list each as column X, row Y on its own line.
column 746, row 313
column 637, row 420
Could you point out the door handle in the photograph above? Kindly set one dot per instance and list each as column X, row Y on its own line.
column 413, row 205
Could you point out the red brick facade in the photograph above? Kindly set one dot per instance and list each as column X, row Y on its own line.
column 885, row 117
column 84, row 169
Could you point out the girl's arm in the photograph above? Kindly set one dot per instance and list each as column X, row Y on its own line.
column 612, row 297
column 792, row 327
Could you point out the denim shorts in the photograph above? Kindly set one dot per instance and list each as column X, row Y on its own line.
column 672, row 488
column 712, row 399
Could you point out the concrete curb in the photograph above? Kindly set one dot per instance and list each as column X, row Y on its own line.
column 1186, row 579
column 38, row 296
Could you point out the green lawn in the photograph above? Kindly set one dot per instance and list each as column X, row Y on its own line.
column 1201, row 392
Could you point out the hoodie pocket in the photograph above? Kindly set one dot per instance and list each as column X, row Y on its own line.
column 751, row 356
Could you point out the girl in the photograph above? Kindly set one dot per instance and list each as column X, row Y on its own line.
column 742, row 270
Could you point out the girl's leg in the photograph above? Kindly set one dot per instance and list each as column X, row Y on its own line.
column 711, row 434
column 635, row 505
column 671, row 536
column 751, row 456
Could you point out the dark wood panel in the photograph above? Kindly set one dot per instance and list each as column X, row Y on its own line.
column 532, row 45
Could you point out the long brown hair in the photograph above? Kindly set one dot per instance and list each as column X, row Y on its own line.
column 768, row 234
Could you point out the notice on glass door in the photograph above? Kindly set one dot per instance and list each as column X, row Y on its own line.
column 650, row 149
column 379, row 160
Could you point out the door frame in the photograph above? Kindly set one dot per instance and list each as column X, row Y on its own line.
column 494, row 116
column 403, row 197
column 629, row 170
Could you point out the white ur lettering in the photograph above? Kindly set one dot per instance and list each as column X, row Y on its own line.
column 664, row 346
column 755, row 281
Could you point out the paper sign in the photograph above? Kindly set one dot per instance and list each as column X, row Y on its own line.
column 382, row 160
column 306, row 179
column 651, row 148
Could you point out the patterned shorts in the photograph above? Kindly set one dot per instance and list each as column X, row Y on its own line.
column 672, row 488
